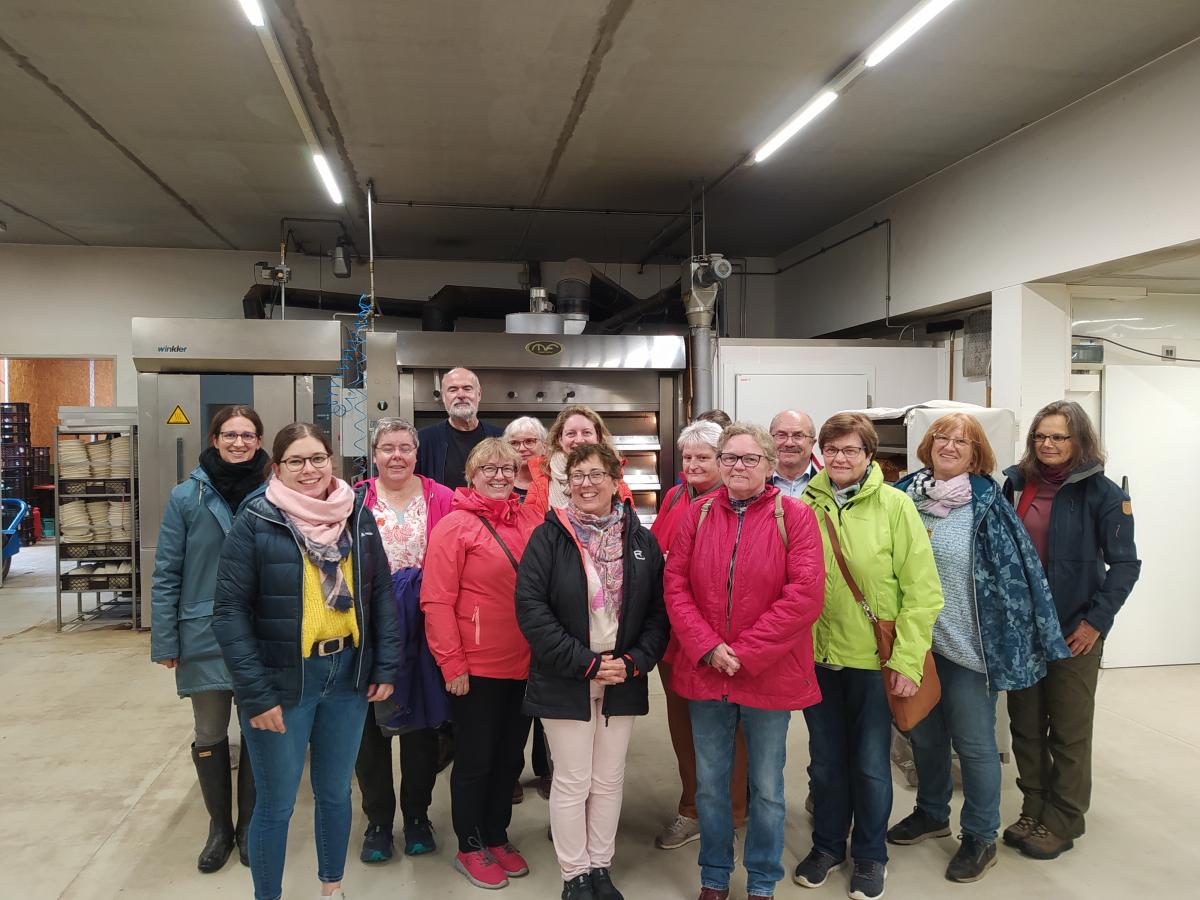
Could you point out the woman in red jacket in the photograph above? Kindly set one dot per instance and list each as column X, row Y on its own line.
column 744, row 583
column 575, row 426
column 698, row 445
column 471, row 622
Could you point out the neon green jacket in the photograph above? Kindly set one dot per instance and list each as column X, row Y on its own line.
column 888, row 552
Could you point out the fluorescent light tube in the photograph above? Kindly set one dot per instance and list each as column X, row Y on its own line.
column 808, row 112
column 327, row 176
column 253, row 12
column 907, row 27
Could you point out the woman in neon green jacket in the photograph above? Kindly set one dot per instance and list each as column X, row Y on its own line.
column 887, row 550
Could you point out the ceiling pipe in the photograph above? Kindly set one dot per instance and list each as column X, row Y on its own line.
column 514, row 208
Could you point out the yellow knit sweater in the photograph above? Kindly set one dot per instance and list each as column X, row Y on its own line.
column 321, row 623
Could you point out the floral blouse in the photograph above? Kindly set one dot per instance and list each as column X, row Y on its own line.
column 403, row 535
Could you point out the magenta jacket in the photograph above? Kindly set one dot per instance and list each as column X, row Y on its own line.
column 765, row 613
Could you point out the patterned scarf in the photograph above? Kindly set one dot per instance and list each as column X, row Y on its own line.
column 560, row 497
column 603, row 539
column 319, row 527
column 939, row 497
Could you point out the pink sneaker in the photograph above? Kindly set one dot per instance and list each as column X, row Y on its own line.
column 510, row 860
column 481, row 869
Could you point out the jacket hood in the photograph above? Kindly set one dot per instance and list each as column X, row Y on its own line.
column 470, row 500
column 1013, row 473
column 822, row 486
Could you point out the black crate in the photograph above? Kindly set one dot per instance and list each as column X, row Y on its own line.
column 15, row 451
column 40, row 454
column 14, row 408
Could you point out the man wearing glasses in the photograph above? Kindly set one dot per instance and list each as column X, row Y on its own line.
column 442, row 449
column 794, row 436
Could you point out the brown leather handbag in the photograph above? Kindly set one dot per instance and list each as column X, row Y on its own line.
column 906, row 711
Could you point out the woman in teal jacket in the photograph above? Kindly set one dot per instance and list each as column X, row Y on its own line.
column 199, row 515
column 887, row 551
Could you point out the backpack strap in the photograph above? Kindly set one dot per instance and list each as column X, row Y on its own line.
column 779, row 519
column 704, row 508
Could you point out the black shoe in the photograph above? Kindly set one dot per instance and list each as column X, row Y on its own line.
column 377, row 844
column 418, row 837
column 867, row 881
column 216, row 786
column 973, row 859
column 578, row 888
column 815, row 868
column 602, row 886
column 916, row 827
column 245, row 804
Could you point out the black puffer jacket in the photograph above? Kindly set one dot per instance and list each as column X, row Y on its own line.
column 258, row 607
column 552, row 610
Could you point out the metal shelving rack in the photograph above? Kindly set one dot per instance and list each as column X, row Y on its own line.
column 111, row 599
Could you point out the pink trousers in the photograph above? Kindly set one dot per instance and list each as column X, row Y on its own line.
column 585, row 795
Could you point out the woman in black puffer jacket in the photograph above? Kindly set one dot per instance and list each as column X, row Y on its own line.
column 304, row 615
column 590, row 603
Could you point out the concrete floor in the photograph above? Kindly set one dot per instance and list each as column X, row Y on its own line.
column 99, row 797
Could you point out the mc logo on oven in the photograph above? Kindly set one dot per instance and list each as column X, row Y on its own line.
column 544, row 348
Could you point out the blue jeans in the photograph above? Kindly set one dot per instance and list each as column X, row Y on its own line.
column 965, row 716
column 329, row 719
column 849, row 745
column 713, row 725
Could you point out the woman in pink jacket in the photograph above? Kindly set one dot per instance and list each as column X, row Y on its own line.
column 744, row 583
column 471, row 621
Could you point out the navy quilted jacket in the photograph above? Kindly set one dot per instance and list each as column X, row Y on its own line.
column 1018, row 623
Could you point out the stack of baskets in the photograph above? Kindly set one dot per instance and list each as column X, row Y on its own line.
column 16, row 459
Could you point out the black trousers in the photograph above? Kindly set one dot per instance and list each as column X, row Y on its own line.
column 418, row 772
column 489, row 754
column 541, row 751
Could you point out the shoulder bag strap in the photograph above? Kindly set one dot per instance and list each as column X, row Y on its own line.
column 779, row 519
column 845, row 569
column 503, row 546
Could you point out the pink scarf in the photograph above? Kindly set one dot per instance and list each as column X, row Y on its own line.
column 320, row 521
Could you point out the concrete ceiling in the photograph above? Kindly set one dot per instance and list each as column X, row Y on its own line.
column 161, row 123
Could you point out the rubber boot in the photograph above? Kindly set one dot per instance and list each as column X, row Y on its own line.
column 216, row 785
column 245, row 804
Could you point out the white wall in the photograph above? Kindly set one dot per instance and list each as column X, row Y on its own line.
column 1113, row 176
column 77, row 301
column 1031, row 347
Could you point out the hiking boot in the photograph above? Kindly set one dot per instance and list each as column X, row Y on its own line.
column 377, row 844
column 916, row 827
column 510, row 860
column 578, row 888
column 867, row 881
column 815, row 868
column 543, row 786
column 603, row 887
column 681, row 830
column 481, row 869
column 713, row 894
column 418, row 837
column 1043, row 843
column 1019, row 830
column 973, row 859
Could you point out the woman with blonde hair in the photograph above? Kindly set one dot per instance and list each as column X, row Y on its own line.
column 996, row 632
column 576, row 425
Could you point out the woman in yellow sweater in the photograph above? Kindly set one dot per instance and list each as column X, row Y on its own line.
column 304, row 616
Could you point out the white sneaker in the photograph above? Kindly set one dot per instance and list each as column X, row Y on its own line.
column 683, row 830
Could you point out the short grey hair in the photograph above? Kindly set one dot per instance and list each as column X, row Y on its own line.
column 390, row 424
column 700, row 432
column 524, row 425
column 764, row 440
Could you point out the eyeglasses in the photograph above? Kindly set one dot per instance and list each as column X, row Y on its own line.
column 1056, row 439
column 595, row 477
column 849, row 454
column 781, row 436
column 296, row 463
column 519, row 443
column 749, row 460
column 958, row 442
column 231, row 437
column 492, row 471
column 389, row 449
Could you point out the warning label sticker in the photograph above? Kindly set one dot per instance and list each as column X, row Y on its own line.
column 178, row 417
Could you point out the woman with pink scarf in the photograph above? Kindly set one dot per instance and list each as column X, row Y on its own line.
column 304, row 615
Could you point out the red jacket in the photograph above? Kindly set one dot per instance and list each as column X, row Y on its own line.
column 673, row 513
column 538, row 496
column 469, row 585
column 766, row 616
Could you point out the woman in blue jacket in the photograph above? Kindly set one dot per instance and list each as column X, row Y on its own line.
column 996, row 632
column 307, row 625
column 199, row 514
column 1082, row 526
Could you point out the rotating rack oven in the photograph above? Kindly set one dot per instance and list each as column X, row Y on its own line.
column 634, row 381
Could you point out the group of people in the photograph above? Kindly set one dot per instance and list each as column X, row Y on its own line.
column 483, row 580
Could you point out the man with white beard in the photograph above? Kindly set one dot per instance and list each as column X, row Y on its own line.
column 443, row 448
